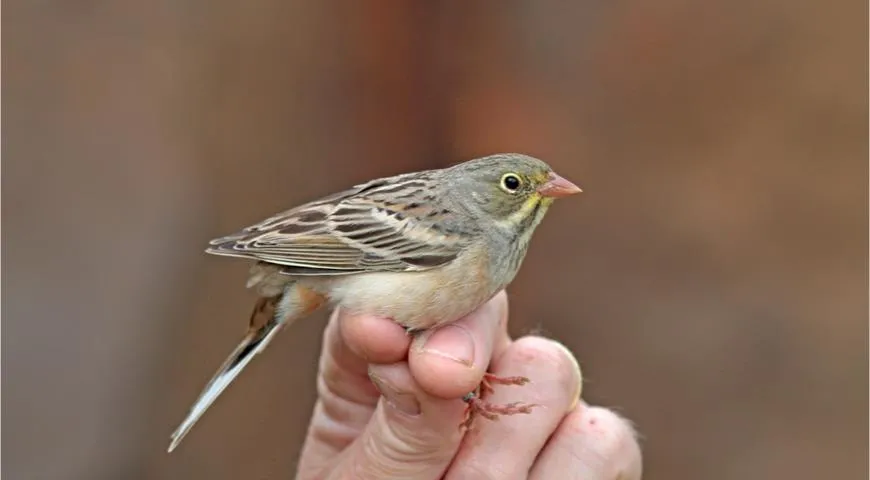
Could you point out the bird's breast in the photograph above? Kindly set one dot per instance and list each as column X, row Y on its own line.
column 417, row 300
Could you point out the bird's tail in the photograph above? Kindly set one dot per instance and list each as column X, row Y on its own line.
column 264, row 326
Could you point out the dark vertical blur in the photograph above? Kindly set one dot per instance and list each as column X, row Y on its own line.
column 712, row 279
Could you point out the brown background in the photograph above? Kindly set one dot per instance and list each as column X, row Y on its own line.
column 712, row 279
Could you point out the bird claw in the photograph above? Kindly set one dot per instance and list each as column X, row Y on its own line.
column 492, row 411
column 490, row 379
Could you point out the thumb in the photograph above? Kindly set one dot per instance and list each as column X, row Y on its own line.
column 412, row 435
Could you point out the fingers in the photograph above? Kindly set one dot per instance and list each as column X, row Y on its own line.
column 412, row 435
column 447, row 361
column 346, row 396
column 450, row 361
column 591, row 443
column 511, row 443
column 374, row 339
column 436, row 378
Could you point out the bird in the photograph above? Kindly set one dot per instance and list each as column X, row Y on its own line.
column 423, row 249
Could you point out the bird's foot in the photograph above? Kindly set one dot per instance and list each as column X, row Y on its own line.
column 492, row 411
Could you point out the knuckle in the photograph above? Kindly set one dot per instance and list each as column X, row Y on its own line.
column 396, row 451
column 338, row 405
column 340, row 390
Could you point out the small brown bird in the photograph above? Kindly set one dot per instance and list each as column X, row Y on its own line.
column 423, row 249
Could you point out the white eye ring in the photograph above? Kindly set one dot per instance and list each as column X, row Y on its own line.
column 510, row 182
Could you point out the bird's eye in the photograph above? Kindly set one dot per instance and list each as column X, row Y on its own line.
column 510, row 182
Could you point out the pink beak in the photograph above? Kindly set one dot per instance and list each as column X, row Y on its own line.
column 558, row 187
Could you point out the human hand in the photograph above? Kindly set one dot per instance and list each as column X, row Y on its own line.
column 388, row 406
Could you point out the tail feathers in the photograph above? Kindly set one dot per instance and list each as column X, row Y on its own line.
column 253, row 343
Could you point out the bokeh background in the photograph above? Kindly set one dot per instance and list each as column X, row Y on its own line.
column 712, row 279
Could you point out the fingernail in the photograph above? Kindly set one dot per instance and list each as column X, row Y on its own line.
column 453, row 342
column 402, row 401
column 577, row 371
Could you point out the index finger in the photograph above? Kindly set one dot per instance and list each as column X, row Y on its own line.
column 346, row 396
column 449, row 361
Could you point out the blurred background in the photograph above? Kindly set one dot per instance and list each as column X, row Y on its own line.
column 712, row 279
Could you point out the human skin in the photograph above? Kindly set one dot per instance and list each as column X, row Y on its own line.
column 388, row 406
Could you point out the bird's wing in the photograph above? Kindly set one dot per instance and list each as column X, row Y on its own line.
column 379, row 226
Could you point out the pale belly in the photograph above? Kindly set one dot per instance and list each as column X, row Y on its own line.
column 416, row 300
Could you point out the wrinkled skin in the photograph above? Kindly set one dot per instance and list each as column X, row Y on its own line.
column 388, row 406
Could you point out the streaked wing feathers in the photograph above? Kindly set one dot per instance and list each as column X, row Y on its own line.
column 385, row 225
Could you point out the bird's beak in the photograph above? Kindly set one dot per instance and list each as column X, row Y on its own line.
column 557, row 187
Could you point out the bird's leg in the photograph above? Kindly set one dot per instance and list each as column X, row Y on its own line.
column 491, row 411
